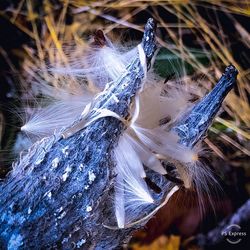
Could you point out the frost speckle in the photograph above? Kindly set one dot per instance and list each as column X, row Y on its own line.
column 55, row 163
column 80, row 243
column 65, row 151
column 81, row 167
column 60, row 209
column 91, row 176
column 66, row 173
column 65, row 176
column 48, row 194
column 88, row 208
column 86, row 187
column 62, row 215
column 15, row 241
column 39, row 161
column 29, row 210
column 65, row 240
column 115, row 98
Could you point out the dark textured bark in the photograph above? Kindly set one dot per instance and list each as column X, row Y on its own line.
column 234, row 223
column 59, row 194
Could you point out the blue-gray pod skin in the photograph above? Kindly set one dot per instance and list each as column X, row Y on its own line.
column 59, row 195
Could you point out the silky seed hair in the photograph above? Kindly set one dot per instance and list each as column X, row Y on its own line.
column 147, row 141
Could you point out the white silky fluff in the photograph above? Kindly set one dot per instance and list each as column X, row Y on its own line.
column 202, row 179
column 164, row 143
column 44, row 121
column 147, row 157
column 159, row 101
column 130, row 174
column 99, row 65
column 58, row 108
column 145, row 139
column 64, row 101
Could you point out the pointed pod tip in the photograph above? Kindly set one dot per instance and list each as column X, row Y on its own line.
column 192, row 127
column 151, row 23
column 149, row 41
column 231, row 71
column 99, row 39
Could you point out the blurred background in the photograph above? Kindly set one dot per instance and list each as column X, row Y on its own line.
column 198, row 39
